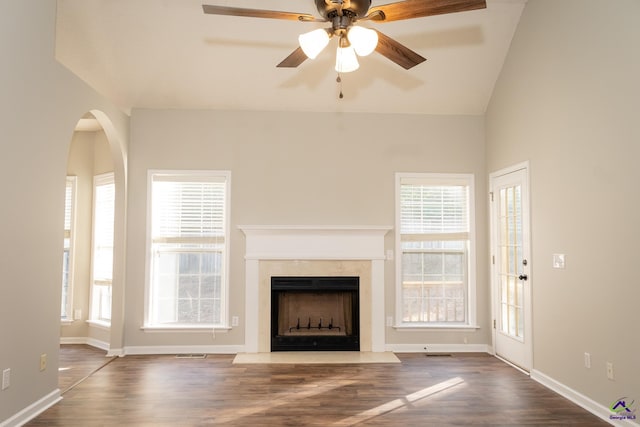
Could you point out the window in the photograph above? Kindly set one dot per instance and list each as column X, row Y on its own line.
column 67, row 255
column 102, row 251
column 188, row 248
column 435, row 277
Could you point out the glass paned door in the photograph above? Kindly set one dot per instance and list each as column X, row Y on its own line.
column 510, row 246
column 511, row 264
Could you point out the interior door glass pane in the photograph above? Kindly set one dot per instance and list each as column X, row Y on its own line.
column 520, row 323
column 512, row 320
column 511, row 258
column 503, row 290
column 511, row 300
column 519, row 293
column 504, row 324
column 511, row 254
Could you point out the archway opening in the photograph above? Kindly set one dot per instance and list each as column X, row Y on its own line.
column 93, row 258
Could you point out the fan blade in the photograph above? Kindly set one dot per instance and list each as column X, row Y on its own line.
column 410, row 9
column 393, row 50
column 259, row 13
column 296, row 58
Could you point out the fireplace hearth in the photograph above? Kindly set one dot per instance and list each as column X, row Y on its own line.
column 315, row 314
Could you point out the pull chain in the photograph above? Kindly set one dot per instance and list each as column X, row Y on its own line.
column 339, row 80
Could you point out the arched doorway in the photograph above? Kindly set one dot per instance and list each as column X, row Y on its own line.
column 92, row 306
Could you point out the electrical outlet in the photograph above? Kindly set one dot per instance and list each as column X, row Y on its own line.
column 235, row 321
column 77, row 314
column 610, row 371
column 43, row 361
column 6, row 378
column 587, row 360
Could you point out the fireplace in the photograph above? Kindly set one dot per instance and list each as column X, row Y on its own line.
column 315, row 313
column 314, row 251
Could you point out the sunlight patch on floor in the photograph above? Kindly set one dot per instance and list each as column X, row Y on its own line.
column 287, row 398
column 399, row 403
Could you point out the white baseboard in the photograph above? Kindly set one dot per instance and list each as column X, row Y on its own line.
column 33, row 410
column 438, row 348
column 73, row 340
column 184, row 349
column 115, row 352
column 579, row 399
column 85, row 340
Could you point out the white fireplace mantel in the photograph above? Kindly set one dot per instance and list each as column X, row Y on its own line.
column 314, row 243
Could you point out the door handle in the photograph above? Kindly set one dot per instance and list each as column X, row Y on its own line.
column 523, row 277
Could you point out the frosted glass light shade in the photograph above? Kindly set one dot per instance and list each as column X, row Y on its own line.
column 346, row 60
column 313, row 42
column 363, row 40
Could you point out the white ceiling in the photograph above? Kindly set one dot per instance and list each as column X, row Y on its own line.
column 169, row 54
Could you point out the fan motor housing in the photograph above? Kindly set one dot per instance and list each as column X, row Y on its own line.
column 358, row 7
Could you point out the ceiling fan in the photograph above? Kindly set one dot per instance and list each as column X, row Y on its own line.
column 354, row 40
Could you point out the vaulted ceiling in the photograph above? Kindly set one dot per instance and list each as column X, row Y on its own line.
column 169, row 54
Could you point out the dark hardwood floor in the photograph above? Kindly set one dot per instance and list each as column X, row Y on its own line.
column 421, row 391
column 78, row 361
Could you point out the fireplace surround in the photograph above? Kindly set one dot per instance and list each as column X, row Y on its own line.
column 314, row 251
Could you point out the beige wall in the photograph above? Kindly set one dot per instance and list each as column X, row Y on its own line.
column 298, row 169
column 568, row 100
column 39, row 107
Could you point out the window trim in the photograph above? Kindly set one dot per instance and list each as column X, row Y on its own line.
column 148, row 326
column 438, row 179
column 72, row 181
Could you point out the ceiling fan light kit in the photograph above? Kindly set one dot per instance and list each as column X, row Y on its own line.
column 363, row 40
column 353, row 39
column 346, row 59
column 313, row 42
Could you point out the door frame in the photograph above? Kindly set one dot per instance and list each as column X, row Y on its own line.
column 528, row 327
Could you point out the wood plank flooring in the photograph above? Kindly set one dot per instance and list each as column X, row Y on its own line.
column 78, row 361
column 421, row 391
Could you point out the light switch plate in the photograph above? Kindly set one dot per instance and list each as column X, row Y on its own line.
column 558, row 260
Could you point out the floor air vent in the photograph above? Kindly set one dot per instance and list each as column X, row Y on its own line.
column 191, row 356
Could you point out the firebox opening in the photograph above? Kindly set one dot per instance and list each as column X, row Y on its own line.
column 315, row 313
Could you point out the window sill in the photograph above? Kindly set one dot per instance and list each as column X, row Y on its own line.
column 66, row 322
column 99, row 324
column 437, row 327
column 185, row 328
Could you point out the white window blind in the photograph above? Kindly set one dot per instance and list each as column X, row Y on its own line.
column 433, row 210
column 67, row 257
column 188, row 211
column 69, row 195
column 188, row 215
